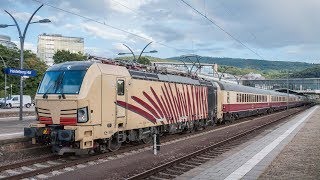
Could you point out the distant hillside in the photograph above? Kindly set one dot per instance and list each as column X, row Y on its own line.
column 312, row 72
column 253, row 63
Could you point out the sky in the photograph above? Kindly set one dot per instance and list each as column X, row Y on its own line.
column 286, row 30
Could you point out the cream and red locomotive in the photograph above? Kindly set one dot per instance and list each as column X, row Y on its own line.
column 85, row 106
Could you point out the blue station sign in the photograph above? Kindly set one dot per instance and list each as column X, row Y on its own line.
column 20, row 72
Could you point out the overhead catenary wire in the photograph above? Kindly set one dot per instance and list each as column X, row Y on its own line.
column 121, row 4
column 221, row 28
column 108, row 25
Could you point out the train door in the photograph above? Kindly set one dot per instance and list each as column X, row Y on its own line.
column 121, row 95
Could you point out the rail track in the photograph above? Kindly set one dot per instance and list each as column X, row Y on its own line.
column 169, row 170
column 177, row 167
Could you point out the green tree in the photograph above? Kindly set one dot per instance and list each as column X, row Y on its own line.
column 32, row 83
column 12, row 59
column 63, row 56
column 144, row 60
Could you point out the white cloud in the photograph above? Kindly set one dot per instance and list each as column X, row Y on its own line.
column 102, row 32
column 119, row 47
column 24, row 16
column 124, row 6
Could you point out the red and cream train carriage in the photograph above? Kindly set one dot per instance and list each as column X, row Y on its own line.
column 242, row 101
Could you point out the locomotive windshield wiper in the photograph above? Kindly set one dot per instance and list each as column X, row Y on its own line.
column 54, row 85
column 59, row 86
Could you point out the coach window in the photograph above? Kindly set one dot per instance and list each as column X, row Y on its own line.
column 120, row 87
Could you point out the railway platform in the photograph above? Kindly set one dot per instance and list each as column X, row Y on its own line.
column 11, row 127
column 291, row 151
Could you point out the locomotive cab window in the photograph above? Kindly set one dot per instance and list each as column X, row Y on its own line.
column 120, row 87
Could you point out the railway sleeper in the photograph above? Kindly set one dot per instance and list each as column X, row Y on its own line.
column 166, row 175
column 204, row 158
column 157, row 178
column 181, row 168
column 193, row 163
column 198, row 160
column 208, row 156
column 174, row 172
column 188, row 165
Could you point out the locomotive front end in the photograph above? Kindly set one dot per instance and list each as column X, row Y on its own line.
column 63, row 108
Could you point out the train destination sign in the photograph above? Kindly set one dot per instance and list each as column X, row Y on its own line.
column 20, row 72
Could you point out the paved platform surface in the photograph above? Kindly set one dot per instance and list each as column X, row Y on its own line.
column 252, row 159
column 11, row 127
column 31, row 109
column 300, row 159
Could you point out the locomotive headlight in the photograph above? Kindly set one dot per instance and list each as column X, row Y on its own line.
column 83, row 115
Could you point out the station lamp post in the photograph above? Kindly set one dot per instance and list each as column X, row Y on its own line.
column 5, row 83
column 22, row 38
column 134, row 56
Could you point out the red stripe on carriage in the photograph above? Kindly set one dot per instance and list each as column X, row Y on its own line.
column 178, row 106
column 185, row 102
column 203, row 102
column 197, row 102
column 160, row 104
column 167, row 104
column 154, row 104
column 244, row 106
column 207, row 110
column 171, row 104
column 193, row 102
column 189, row 104
column 178, row 100
column 145, row 105
column 174, row 103
column 137, row 110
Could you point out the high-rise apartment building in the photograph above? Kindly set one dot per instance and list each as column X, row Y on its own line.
column 6, row 41
column 48, row 44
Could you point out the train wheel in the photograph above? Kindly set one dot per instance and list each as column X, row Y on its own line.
column 147, row 139
column 114, row 145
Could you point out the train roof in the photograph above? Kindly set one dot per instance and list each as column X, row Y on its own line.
column 247, row 89
column 71, row 65
column 163, row 77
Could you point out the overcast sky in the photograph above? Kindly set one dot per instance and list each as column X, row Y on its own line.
column 275, row 29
